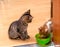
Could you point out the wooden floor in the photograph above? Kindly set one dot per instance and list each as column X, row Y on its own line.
column 11, row 10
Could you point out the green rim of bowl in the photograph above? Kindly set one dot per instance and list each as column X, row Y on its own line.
column 42, row 41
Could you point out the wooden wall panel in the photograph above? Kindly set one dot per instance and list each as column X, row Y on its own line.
column 56, row 21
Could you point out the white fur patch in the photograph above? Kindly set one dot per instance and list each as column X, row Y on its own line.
column 49, row 24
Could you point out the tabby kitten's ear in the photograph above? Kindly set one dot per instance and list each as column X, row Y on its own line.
column 27, row 12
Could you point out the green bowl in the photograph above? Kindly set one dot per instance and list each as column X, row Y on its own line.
column 42, row 41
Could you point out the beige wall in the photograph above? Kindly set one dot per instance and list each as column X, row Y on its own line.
column 11, row 10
